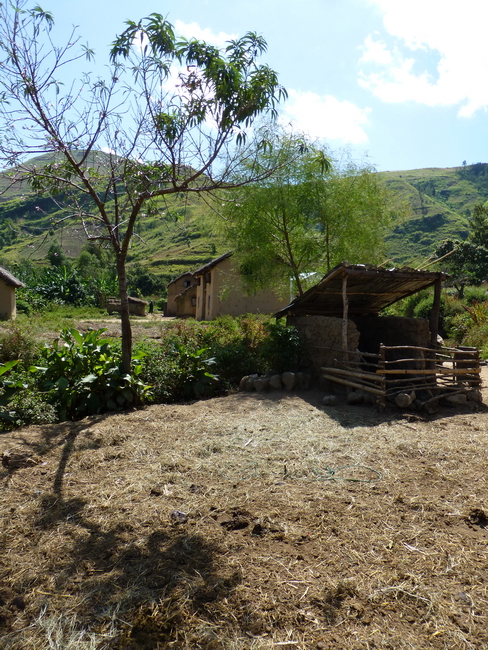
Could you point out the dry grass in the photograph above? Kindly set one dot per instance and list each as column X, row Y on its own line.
column 220, row 525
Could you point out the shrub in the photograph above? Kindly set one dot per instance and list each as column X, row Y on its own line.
column 182, row 366
column 28, row 407
column 281, row 349
column 17, row 343
column 83, row 375
column 473, row 295
column 177, row 371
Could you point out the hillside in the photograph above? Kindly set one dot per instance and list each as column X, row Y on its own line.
column 167, row 244
column 180, row 236
column 440, row 200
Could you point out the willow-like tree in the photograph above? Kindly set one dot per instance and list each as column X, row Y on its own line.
column 307, row 217
column 174, row 116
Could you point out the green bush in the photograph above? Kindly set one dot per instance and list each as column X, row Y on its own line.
column 18, row 343
column 473, row 295
column 83, row 375
column 28, row 407
column 177, row 371
column 197, row 359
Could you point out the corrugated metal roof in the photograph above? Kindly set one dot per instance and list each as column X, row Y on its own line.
column 10, row 279
column 369, row 290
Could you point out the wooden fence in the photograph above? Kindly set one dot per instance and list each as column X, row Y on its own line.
column 407, row 370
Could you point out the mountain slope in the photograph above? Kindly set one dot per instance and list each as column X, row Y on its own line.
column 180, row 236
column 440, row 202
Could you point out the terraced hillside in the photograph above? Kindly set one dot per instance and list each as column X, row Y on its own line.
column 440, row 201
column 181, row 237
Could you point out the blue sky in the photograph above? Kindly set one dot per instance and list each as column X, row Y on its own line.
column 402, row 85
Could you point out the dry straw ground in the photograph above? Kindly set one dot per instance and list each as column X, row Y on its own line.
column 247, row 522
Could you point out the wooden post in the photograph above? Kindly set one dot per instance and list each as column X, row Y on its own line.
column 345, row 313
column 381, row 371
column 434, row 314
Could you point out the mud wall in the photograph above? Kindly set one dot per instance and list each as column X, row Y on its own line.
column 322, row 338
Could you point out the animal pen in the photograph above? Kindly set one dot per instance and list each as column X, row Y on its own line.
column 385, row 358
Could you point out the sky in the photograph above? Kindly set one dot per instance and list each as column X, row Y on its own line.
column 395, row 84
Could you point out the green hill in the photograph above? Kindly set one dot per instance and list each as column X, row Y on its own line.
column 440, row 200
column 180, row 237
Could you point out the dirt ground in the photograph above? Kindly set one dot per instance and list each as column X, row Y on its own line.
column 251, row 521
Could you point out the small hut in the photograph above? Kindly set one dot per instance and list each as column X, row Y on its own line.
column 137, row 307
column 8, row 284
column 349, row 344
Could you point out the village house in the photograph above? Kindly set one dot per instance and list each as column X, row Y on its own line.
column 182, row 300
column 8, row 284
column 216, row 289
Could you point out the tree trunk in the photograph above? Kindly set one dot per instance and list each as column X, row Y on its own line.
column 124, row 315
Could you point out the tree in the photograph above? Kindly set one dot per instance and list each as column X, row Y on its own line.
column 173, row 115
column 467, row 263
column 307, row 217
column 478, row 224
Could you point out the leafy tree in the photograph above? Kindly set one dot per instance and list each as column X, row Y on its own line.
column 478, row 224
column 307, row 217
column 467, row 263
column 173, row 115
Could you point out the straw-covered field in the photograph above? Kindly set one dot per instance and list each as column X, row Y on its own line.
column 247, row 522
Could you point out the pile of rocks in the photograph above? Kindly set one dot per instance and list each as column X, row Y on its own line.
column 285, row 381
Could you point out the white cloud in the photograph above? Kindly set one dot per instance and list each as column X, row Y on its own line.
column 193, row 30
column 325, row 117
column 449, row 37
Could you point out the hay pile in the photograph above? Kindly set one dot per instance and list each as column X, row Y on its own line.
column 247, row 522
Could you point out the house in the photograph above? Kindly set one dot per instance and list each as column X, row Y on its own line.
column 182, row 300
column 137, row 307
column 8, row 284
column 219, row 291
column 348, row 343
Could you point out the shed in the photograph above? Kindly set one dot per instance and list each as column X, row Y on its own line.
column 8, row 284
column 137, row 306
column 350, row 344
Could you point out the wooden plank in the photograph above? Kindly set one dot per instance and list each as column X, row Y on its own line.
column 354, row 374
column 432, row 371
column 352, row 384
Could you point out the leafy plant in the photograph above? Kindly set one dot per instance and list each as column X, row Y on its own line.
column 84, row 375
column 178, row 371
column 8, row 388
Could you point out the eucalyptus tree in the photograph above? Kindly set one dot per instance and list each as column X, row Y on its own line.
column 307, row 217
column 172, row 116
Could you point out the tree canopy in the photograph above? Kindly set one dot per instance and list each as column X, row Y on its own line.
column 307, row 217
column 172, row 116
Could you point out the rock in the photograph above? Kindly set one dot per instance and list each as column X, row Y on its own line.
column 404, row 399
column 330, row 400
column 303, row 381
column 474, row 395
column 261, row 383
column 457, row 400
column 355, row 397
column 289, row 380
column 250, row 382
column 243, row 383
column 179, row 517
column 275, row 382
